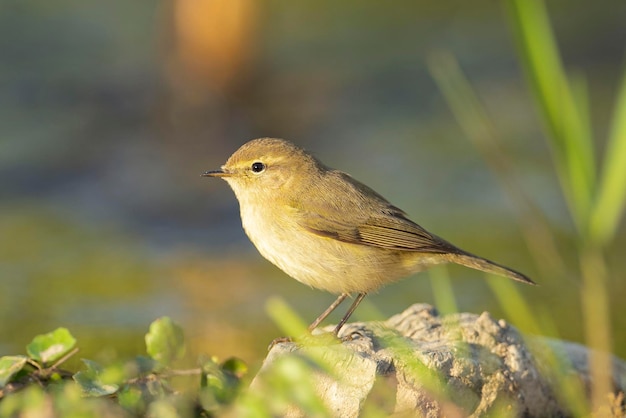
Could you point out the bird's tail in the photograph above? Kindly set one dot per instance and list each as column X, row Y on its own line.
column 482, row 264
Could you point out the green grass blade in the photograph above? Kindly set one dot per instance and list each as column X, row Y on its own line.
column 611, row 197
column 285, row 317
column 564, row 116
column 480, row 129
column 442, row 290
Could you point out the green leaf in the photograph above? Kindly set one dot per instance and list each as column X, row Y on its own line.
column 114, row 374
column 164, row 408
column 131, row 399
column 144, row 365
column 209, row 367
column 220, row 383
column 235, row 366
column 209, row 394
column 165, row 341
column 30, row 402
column 49, row 347
column 9, row 367
column 90, row 382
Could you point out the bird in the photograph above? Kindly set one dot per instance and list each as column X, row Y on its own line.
column 329, row 231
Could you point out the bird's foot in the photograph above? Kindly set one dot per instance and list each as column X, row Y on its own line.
column 279, row 340
column 354, row 335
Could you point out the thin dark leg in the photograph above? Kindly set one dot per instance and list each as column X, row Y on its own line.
column 327, row 312
column 356, row 302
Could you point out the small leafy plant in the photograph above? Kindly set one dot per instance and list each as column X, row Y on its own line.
column 35, row 383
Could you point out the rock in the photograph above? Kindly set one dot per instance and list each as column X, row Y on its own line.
column 419, row 363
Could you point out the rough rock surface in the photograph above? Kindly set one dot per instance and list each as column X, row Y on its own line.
column 457, row 365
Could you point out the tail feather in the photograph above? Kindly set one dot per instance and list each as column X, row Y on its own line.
column 482, row 264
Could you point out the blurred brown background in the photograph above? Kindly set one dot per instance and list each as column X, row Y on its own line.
column 110, row 111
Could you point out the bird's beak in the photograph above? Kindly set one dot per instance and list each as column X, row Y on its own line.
column 216, row 173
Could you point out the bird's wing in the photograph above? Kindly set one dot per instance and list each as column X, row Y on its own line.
column 361, row 216
column 384, row 231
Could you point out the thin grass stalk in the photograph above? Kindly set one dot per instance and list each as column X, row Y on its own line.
column 442, row 290
column 611, row 197
column 479, row 128
column 570, row 136
column 596, row 322
column 564, row 118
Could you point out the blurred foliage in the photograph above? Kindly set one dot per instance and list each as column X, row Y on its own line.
column 596, row 204
column 155, row 386
column 30, row 386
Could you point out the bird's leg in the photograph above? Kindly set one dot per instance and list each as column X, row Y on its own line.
column 327, row 312
column 315, row 323
column 356, row 302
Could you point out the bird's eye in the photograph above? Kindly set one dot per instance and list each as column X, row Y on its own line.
column 258, row 167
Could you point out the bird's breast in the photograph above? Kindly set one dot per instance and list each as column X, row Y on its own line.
column 318, row 261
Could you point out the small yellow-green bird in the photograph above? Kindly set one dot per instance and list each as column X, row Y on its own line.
column 329, row 231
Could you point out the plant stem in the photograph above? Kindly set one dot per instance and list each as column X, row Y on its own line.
column 597, row 324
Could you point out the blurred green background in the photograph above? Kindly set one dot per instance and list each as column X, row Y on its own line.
column 110, row 111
